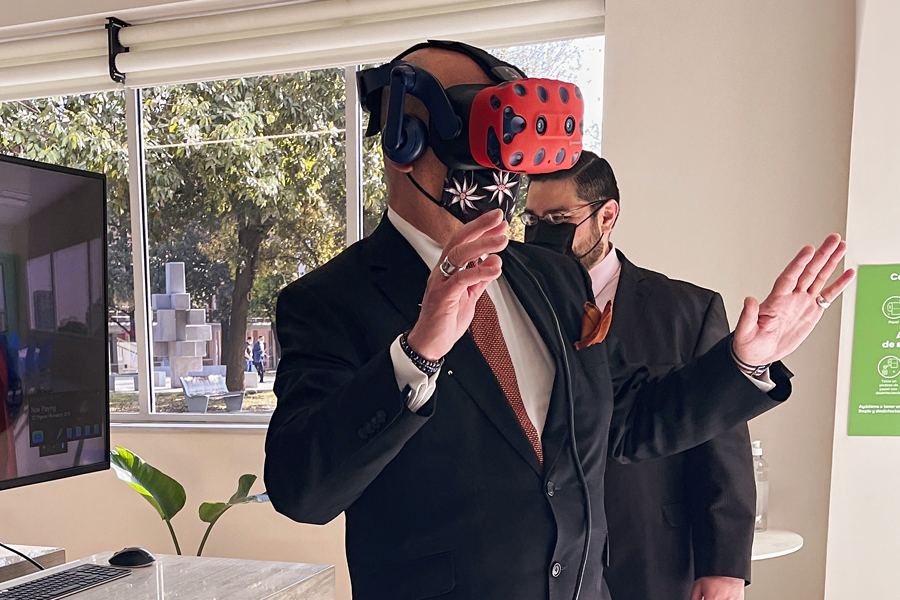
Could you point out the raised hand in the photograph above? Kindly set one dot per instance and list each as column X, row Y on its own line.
column 770, row 331
column 449, row 302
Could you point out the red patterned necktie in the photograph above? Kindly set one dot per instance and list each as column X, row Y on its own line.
column 485, row 329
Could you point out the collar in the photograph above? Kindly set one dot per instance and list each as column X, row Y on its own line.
column 427, row 249
column 605, row 271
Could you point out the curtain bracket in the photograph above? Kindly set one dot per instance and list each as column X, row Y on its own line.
column 113, row 26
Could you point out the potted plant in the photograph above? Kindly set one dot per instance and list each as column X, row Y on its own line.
column 168, row 497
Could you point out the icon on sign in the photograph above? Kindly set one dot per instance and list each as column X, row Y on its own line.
column 59, row 433
column 78, row 431
column 96, row 430
column 891, row 307
column 37, row 437
column 889, row 367
column 68, row 433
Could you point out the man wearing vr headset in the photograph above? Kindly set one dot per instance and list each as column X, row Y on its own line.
column 430, row 387
column 680, row 527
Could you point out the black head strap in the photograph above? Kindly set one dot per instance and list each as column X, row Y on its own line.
column 370, row 82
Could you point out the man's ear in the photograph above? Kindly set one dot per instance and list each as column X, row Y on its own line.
column 608, row 215
column 407, row 168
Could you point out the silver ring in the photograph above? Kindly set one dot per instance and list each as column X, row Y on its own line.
column 822, row 302
column 448, row 268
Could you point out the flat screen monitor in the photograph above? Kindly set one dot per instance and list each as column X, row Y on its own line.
column 54, row 398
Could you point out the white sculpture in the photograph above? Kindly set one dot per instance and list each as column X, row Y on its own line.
column 180, row 332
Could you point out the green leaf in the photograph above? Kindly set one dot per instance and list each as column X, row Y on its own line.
column 211, row 511
column 244, row 484
column 162, row 492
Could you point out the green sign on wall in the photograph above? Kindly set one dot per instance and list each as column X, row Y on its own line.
column 875, row 375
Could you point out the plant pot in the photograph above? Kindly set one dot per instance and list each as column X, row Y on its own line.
column 197, row 404
column 234, row 402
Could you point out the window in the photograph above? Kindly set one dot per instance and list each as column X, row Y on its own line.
column 245, row 192
column 245, row 185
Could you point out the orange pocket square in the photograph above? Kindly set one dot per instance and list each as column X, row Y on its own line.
column 594, row 325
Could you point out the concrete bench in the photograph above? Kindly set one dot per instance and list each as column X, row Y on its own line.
column 199, row 390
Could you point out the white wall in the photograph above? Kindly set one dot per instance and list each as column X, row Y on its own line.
column 728, row 126
column 864, row 533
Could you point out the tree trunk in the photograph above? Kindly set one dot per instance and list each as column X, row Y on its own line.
column 250, row 238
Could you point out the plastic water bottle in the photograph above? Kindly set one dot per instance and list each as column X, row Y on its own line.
column 761, row 474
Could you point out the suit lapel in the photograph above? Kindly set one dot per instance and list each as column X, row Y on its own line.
column 397, row 269
column 533, row 301
column 634, row 291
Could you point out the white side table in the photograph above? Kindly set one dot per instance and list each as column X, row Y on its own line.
column 773, row 543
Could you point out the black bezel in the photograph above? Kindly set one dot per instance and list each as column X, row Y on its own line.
column 99, row 466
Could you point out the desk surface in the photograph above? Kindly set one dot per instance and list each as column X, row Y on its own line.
column 191, row 577
column 773, row 543
column 13, row 565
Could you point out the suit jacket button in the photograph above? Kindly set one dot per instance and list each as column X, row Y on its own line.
column 362, row 433
column 556, row 569
column 550, row 488
column 380, row 417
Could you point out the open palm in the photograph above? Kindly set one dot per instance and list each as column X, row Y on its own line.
column 771, row 330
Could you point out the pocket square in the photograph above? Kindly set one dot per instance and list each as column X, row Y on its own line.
column 594, row 325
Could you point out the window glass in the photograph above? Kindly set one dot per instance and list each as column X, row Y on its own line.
column 246, row 192
column 84, row 132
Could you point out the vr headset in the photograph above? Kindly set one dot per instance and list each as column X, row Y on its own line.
column 518, row 124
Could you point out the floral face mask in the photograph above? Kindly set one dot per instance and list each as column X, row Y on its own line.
column 469, row 194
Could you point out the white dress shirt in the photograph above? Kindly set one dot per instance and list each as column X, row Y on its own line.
column 605, row 277
column 532, row 362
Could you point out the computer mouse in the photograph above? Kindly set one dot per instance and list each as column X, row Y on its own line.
column 132, row 558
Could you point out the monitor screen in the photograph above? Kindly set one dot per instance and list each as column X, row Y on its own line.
column 54, row 399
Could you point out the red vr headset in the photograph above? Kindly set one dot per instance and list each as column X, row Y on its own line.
column 518, row 124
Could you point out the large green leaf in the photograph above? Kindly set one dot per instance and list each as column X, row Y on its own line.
column 211, row 511
column 162, row 492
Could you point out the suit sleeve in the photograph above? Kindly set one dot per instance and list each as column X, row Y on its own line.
column 721, row 487
column 658, row 415
column 661, row 415
column 341, row 417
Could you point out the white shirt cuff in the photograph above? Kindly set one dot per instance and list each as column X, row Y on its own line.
column 763, row 382
column 407, row 374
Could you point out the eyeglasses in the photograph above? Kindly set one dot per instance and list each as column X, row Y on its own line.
column 556, row 218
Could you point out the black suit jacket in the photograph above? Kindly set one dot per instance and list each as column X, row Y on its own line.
column 674, row 519
column 450, row 501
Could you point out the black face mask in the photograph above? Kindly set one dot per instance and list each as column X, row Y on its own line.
column 559, row 238
column 469, row 194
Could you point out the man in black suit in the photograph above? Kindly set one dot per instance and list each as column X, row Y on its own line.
column 437, row 416
column 680, row 527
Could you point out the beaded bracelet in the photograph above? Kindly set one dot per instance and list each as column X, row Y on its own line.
column 749, row 370
column 429, row 367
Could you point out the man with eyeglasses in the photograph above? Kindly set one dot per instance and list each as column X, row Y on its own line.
column 679, row 527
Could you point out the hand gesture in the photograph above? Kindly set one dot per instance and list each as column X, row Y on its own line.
column 770, row 331
column 449, row 302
